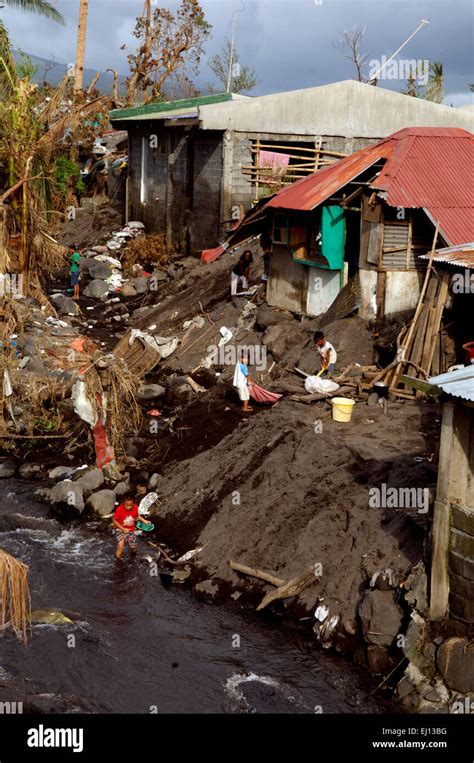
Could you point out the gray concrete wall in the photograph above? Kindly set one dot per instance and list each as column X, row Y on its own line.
column 349, row 109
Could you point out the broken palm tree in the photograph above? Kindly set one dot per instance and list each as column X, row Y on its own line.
column 15, row 602
column 284, row 589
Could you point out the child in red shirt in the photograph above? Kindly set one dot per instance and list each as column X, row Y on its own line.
column 125, row 517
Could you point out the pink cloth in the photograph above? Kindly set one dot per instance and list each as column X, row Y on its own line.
column 261, row 395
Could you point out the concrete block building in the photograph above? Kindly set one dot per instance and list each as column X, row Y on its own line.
column 196, row 165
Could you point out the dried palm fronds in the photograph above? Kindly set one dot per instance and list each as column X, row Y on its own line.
column 152, row 248
column 15, row 600
column 122, row 412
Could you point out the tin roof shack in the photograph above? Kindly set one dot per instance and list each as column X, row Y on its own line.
column 452, row 563
column 364, row 220
column 195, row 165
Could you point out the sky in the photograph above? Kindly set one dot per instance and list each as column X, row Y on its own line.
column 290, row 43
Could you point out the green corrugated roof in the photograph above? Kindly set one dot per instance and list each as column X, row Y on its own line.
column 155, row 110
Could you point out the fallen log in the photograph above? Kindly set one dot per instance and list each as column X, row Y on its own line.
column 292, row 588
column 254, row 573
column 285, row 589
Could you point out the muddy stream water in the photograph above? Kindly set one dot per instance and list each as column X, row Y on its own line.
column 140, row 645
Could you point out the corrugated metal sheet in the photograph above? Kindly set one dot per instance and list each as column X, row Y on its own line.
column 458, row 383
column 461, row 255
column 429, row 168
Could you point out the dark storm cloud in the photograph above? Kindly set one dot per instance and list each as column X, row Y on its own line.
column 289, row 42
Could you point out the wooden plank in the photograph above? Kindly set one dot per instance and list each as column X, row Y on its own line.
column 422, row 386
column 441, row 301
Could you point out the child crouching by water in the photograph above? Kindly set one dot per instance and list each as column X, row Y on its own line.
column 125, row 517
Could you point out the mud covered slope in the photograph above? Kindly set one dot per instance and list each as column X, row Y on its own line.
column 277, row 495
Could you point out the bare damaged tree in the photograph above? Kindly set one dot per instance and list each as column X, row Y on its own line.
column 168, row 42
column 349, row 44
column 243, row 78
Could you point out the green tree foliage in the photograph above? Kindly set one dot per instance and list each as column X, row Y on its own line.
column 36, row 6
column 243, row 78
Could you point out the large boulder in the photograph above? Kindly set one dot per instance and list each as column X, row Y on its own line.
column 380, row 617
column 29, row 471
column 7, row 468
column 103, row 502
column 96, row 289
column 99, row 270
column 267, row 316
column 140, row 284
column 58, row 472
column 67, row 495
column 455, row 661
column 150, row 391
column 66, row 306
column 91, row 481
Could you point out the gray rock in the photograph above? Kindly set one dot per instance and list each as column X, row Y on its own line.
column 102, row 502
column 67, row 495
column 121, row 488
column 29, row 470
column 159, row 275
column 58, row 472
column 416, row 588
column 380, row 617
column 96, row 289
column 66, row 306
column 266, row 317
column 417, row 648
column 91, row 481
column 128, row 290
column 100, row 270
column 153, row 481
column 150, row 391
column 455, row 660
column 140, row 284
column 7, row 468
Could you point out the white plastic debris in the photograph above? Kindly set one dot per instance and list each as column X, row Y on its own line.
column 135, row 224
column 113, row 245
column 321, row 613
column 114, row 280
column 7, row 385
column 111, row 260
column 190, row 554
column 146, row 503
column 316, row 385
column 226, row 335
column 151, row 328
column 197, row 321
column 164, row 345
column 56, row 322
column 82, row 405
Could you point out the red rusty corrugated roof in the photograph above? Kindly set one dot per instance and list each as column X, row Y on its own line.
column 461, row 255
column 427, row 167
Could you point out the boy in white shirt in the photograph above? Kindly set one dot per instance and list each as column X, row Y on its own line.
column 327, row 352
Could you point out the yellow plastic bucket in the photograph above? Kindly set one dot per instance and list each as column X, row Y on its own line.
column 342, row 408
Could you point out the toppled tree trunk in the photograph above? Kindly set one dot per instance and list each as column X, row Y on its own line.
column 284, row 589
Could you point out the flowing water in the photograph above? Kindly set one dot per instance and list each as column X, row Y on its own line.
column 141, row 647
